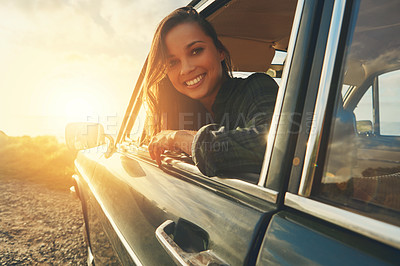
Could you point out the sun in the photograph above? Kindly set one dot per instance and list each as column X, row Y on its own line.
column 77, row 108
column 71, row 97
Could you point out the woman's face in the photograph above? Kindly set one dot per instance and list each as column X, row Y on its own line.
column 194, row 63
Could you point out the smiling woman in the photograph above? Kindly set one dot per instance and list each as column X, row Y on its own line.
column 194, row 67
column 189, row 73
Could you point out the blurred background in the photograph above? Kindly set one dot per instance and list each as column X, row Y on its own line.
column 67, row 61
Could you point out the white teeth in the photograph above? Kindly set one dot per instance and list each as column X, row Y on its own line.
column 194, row 81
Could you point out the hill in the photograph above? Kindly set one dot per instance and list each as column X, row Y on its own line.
column 39, row 159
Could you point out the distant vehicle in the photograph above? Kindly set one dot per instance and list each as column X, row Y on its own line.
column 329, row 189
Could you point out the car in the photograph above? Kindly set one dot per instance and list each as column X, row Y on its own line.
column 329, row 189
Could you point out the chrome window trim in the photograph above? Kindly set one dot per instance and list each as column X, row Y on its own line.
column 249, row 188
column 203, row 4
column 124, row 242
column 380, row 231
column 252, row 189
column 134, row 99
column 322, row 97
column 279, row 100
column 183, row 166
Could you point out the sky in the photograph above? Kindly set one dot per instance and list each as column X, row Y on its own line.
column 72, row 60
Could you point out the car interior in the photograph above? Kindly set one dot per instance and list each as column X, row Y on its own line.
column 253, row 30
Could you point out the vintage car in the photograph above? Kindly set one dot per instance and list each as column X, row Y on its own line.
column 329, row 189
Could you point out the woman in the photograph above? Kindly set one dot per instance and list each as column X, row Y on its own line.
column 188, row 61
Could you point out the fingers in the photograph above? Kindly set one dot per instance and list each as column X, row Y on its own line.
column 158, row 152
column 159, row 143
column 151, row 151
column 155, row 150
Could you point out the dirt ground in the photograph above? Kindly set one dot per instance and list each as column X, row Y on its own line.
column 39, row 226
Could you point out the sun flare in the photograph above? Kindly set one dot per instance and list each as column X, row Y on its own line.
column 78, row 107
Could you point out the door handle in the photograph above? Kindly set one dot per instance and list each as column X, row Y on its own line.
column 180, row 256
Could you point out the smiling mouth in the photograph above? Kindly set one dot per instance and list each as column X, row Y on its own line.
column 195, row 80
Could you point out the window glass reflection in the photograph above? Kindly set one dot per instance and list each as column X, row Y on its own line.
column 361, row 166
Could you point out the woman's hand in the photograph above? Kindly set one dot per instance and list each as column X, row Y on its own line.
column 180, row 140
column 161, row 142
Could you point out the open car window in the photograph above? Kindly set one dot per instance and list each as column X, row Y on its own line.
column 138, row 130
column 265, row 52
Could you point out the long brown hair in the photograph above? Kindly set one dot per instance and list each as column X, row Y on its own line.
column 162, row 99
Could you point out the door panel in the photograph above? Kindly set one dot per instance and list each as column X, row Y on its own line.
column 93, row 215
column 139, row 197
column 101, row 236
column 298, row 239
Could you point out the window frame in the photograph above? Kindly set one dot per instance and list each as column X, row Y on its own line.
column 344, row 11
column 299, row 98
column 258, row 189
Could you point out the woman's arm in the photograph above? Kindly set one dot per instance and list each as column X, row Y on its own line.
column 219, row 150
column 171, row 140
column 237, row 144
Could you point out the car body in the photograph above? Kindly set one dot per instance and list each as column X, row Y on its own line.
column 329, row 190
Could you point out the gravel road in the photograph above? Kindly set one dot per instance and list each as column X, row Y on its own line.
column 39, row 225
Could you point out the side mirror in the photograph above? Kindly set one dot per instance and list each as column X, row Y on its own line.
column 275, row 71
column 81, row 136
column 364, row 127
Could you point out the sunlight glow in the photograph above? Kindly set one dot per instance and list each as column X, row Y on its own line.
column 70, row 96
column 77, row 107
column 81, row 71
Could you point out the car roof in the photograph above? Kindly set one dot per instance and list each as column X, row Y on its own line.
column 251, row 29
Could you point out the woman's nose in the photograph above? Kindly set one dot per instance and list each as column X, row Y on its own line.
column 186, row 67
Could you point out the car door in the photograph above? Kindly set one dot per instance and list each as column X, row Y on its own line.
column 174, row 214
column 342, row 205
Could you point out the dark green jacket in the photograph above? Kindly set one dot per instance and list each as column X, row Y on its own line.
column 236, row 140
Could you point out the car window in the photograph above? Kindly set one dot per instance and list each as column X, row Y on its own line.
column 389, row 94
column 279, row 58
column 254, row 47
column 275, row 70
column 360, row 170
column 190, row 120
column 137, row 128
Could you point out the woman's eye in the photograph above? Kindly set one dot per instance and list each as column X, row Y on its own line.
column 197, row 51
